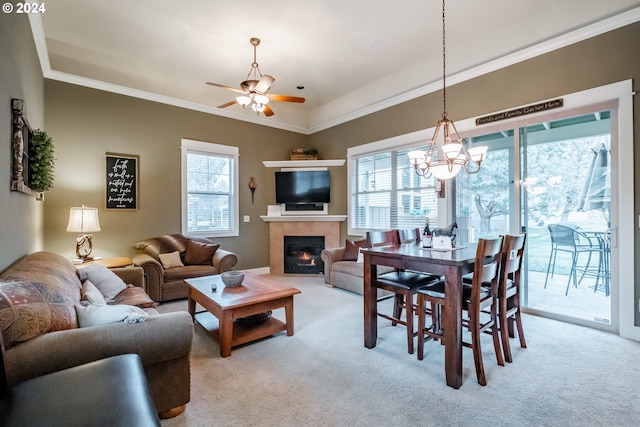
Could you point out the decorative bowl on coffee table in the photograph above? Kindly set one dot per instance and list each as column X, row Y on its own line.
column 231, row 279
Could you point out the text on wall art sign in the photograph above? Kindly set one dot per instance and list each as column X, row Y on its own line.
column 122, row 181
column 522, row 111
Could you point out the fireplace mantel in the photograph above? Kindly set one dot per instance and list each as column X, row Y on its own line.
column 301, row 218
column 302, row 163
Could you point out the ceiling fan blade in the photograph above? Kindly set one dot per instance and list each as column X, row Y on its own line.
column 268, row 111
column 264, row 84
column 225, row 87
column 228, row 104
column 285, row 98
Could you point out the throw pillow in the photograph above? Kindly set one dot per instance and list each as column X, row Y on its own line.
column 107, row 282
column 199, row 253
column 171, row 260
column 91, row 294
column 352, row 249
column 93, row 315
column 29, row 309
column 134, row 295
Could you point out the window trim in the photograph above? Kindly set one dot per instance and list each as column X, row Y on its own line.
column 406, row 141
column 188, row 145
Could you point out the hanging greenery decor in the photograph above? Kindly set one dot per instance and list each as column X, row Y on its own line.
column 41, row 161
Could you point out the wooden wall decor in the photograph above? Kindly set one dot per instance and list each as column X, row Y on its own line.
column 22, row 134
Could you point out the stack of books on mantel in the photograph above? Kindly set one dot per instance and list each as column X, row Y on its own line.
column 304, row 154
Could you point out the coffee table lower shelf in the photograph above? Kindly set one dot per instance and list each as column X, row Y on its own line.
column 242, row 333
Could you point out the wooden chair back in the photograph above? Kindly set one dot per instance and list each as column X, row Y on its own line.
column 512, row 254
column 486, row 268
column 409, row 235
column 382, row 238
column 509, row 292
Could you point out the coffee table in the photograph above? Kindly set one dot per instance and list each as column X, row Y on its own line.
column 256, row 295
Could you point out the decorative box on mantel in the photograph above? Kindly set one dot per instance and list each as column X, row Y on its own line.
column 304, row 154
column 327, row 226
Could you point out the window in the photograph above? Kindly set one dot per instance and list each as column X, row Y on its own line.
column 209, row 189
column 386, row 193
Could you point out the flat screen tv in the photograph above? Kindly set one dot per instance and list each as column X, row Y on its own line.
column 311, row 186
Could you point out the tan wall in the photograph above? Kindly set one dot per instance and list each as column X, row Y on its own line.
column 595, row 62
column 20, row 77
column 86, row 123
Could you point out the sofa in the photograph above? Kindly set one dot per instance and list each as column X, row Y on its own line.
column 169, row 259
column 48, row 322
column 344, row 267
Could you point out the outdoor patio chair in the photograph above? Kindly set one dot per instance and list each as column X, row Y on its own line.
column 569, row 239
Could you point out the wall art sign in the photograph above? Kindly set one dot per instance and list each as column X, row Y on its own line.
column 122, row 181
column 529, row 109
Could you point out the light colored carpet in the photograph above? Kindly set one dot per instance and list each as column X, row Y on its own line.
column 324, row 376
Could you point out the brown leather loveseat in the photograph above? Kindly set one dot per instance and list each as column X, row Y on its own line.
column 169, row 259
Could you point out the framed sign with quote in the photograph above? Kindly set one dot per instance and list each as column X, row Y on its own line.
column 122, row 181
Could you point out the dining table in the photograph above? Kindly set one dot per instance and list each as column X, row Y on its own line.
column 451, row 263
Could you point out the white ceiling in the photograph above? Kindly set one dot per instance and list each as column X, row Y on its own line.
column 352, row 57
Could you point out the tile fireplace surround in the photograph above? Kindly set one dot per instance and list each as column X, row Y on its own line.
column 300, row 225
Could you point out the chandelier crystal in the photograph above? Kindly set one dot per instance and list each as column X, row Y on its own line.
column 445, row 160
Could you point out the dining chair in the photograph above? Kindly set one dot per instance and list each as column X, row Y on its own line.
column 409, row 235
column 479, row 306
column 569, row 239
column 509, row 292
column 402, row 284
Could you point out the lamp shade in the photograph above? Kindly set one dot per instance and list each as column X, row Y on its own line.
column 243, row 100
column 83, row 220
column 445, row 171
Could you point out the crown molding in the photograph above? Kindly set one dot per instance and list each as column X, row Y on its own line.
column 555, row 43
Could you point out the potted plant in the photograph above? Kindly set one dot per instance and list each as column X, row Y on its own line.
column 41, row 162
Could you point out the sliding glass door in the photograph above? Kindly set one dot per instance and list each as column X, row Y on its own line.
column 553, row 180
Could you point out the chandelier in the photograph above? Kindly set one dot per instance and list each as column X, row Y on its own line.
column 255, row 85
column 446, row 160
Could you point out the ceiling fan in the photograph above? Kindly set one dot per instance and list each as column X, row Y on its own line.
column 255, row 89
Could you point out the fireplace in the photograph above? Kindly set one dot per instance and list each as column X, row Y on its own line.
column 327, row 226
column 302, row 254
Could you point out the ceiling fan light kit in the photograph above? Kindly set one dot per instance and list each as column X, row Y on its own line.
column 254, row 89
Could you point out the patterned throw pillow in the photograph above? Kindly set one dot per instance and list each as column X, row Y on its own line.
column 134, row 295
column 30, row 309
column 352, row 249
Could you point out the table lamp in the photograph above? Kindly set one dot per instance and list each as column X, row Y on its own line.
column 84, row 221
